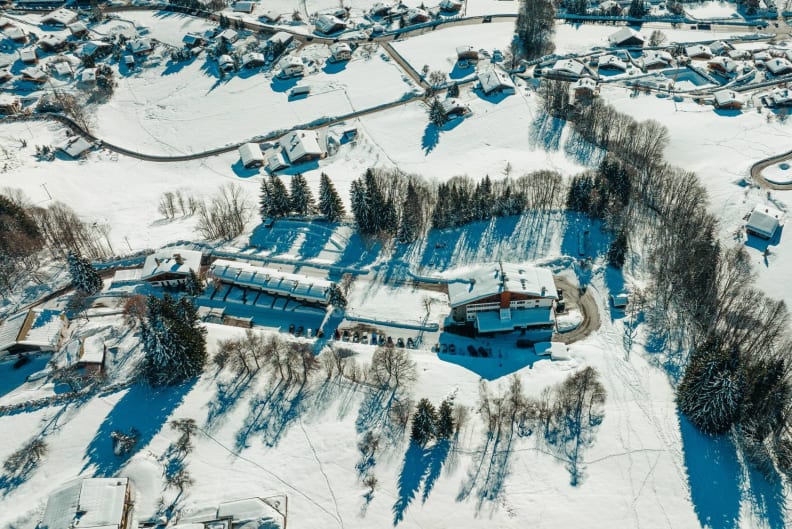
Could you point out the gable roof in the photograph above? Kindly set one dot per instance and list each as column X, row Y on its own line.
column 301, row 143
column 494, row 279
column 89, row 503
column 493, row 79
column 166, row 261
column 270, row 279
column 764, row 220
column 60, row 16
column 623, row 35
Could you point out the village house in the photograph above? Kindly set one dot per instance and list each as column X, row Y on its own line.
column 723, row 65
column 34, row 74
column 140, row 46
column 778, row 66
column 416, row 15
column 763, row 222
column 250, row 155
column 583, row 89
column 35, row 330
column 94, row 503
column 88, row 354
column 28, row 56
column 291, row 66
column 243, row 7
column 340, row 51
column 16, row 34
column 52, row 42
column 88, row 77
column 252, row 59
column 329, row 24
column 610, row 8
column 228, row 35
column 626, row 37
column 75, row 147
column 568, row 68
column 95, row 49
column 698, row 51
column 191, row 40
column 493, row 81
column 269, row 16
column 467, row 54
column 778, row 97
column 453, row 108
column 720, row 47
column 380, row 9
column 61, row 68
column 611, row 62
column 281, row 40
column 9, row 104
column 61, row 17
column 302, row 146
column 451, row 6
column 5, row 75
column 78, row 29
column 656, row 59
column 504, row 297
column 727, row 99
column 271, row 281
column 171, row 267
column 276, row 162
column 225, row 63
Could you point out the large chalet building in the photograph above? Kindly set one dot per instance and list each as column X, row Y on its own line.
column 503, row 298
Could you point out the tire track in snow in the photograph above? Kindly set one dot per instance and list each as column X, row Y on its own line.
column 321, row 469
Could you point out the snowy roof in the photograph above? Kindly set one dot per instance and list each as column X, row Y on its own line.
column 764, row 220
column 77, row 27
column 276, row 162
column 300, row 144
column 5, row 74
column 35, row 73
column 569, row 66
column 178, row 261
column 727, row 97
column 507, row 319
column 253, row 57
column 416, row 14
column 224, row 61
column 654, row 57
column 75, row 146
column 584, row 82
column 243, row 7
column 624, row 35
column 781, row 96
column 92, row 46
column 93, row 349
column 62, row 68
column 90, row 503
column 450, row 106
column 192, row 38
column 15, row 33
column 52, row 40
column 494, row 279
column 129, row 275
column 728, row 65
column 270, row 280
column 88, row 75
column 46, row 330
column 140, row 45
column 328, row 24
column 611, row 61
column 10, row 328
column 28, row 55
column 8, row 100
column 493, row 79
column 281, row 37
column 698, row 50
column 250, row 153
column 228, row 35
column 779, row 65
column 719, row 47
column 61, row 17
column 340, row 47
column 250, row 510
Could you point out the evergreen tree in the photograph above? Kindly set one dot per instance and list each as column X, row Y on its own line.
column 330, row 204
column 617, row 252
column 193, row 286
column 359, row 200
column 84, row 276
column 265, row 200
column 389, row 223
column 410, row 226
column 637, row 9
column 375, row 205
column 423, row 425
column 336, row 298
column 445, row 420
column 485, row 202
column 302, row 201
column 280, row 205
column 453, row 90
column 581, row 191
column 436, row 114
column 173, row 341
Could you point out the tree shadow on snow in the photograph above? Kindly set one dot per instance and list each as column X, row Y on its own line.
column 583, row 151
column 143, row 408
column 546, row 132
column 421, row 468
column 431, row 138
column 242, row 172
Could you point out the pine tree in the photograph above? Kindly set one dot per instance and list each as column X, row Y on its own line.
column 359, row 200
column 436, row 113
column 410, row 226
column 280, row 205
column 617, row 252
column 390, row 220
column 265, row 200
column 336, row 298
column 423, row 425
column 375, row 205
column 637, row 9
column 84, row 276
column 302, row 201
column 330, row 204
column 193, row 286
column 445, row 420
column 174, row 343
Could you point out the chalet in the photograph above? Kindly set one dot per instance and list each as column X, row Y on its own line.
column 61, row 69
column 277, row 162
column 619, row 300
column 720, row 47
column 225, row 63
column 88, row 77
column 78, row 29
column 243, row 7
column 5, row 23
column 340, row 51
column 763, row 56
column 28, row 56
column 467, row 53
column 39, row 330
column 611, row 62
column 129, row 60
column 228, row 35
column 626, row 37
column 16, row 34
column 91, row 503
column 5, row 75
column 698, row 51
column 34, row 74
column 281, row 39
column 453, row 108
column 75, row 147
column 95, row 49
column 656, row 59
column 451, row 6
column 328, row 24
column 723, row 65
column 728, row 99
column 52, row 42
column 738, row 55
column 270, row 16
column 191, row 40
column 252, row 59
column 610, row 8
column 416, row 15
column 9, row 104
column 584, row 88
column 291, row 66
column 250, row 155
column 91, row 354
column 140, row 46
column 380, row 9
column 568, row 68
column 59, row 18
column 271, row 281
column 779, row 97
column 302, row 146
column 170, row 267
column 778, row 66
column 493, row 81
column 504, row 297
column 763, row 222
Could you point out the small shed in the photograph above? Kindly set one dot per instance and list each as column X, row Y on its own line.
column 243, row 7
column 620, row 300
column 9, row 104
column 28, row 56
column 763, row 222
column 451, row 6
column 467, row 53
column 453, row 108
column 626, row 37
column 276, row 162
column 225, row 63
column 299, row 91
column 555, row 350
column 75, row 146
column 250, row 155
column 728, row 99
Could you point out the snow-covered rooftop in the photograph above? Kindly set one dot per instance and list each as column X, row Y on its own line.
column 764, row 221
column 59, row 17
column 624, row 35
column 250, row 153
column 493, row 79
column 90, row 503
column 301, row 144
column 10, row 328
column 178, row 261
column 494, row 279
column 75, row 146
column 270, row 280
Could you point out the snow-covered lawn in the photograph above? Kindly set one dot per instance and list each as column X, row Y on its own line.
column 707, row 10
column 164, row 26
column 491, row 7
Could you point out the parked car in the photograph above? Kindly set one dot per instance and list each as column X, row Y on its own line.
column 389, row 341
column 309, row 333
column 356, row 337
column 472, row 350
column 381, row 339
column 400, row 342
column 365, row 339
column 345, row 335
column 410, row 343
column 483, row 352
column 436, row 348
column 291, row 328
column 299, row 331
column 443, row 348
column 452, row 348
column 336, row 335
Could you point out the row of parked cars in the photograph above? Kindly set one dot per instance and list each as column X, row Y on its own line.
column 300, row 331
column 374, row 339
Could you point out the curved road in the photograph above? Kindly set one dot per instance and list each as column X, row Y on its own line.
column 761, row 165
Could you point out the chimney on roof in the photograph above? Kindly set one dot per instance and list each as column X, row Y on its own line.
column 544, row 291
column 178, row 258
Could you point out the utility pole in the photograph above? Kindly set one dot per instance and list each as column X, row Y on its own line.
column 47, row 190
column 127, row 241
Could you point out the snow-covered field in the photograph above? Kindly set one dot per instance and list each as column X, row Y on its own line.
column 707, row 10
column 491, row 7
